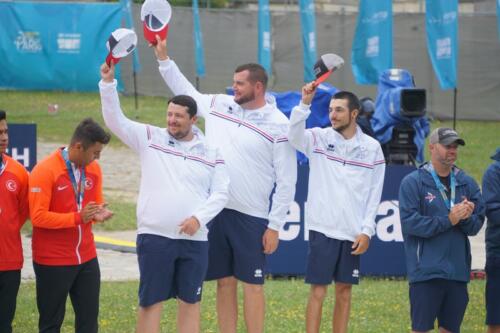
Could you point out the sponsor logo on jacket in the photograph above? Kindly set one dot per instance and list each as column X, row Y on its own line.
column 430, row 197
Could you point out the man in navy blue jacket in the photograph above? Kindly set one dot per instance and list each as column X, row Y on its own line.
column 491, row 195
column 440, row 205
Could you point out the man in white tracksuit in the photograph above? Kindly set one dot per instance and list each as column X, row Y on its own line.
column 345, row 186
column 251, row 134
column 184, row 185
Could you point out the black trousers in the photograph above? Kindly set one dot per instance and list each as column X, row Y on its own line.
column 9, row 286
column 54, row 283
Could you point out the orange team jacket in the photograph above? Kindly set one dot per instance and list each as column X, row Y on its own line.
column 13, row 213
column 60, row 237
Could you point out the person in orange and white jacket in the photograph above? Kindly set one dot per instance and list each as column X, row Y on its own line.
column 13, row 214
column 65, row 197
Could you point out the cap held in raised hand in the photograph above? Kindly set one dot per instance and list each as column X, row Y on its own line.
column 155, row 15
column 325, row 66
column 120, row 44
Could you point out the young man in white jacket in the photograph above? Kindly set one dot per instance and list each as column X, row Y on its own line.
column 345, row 186
column 184, row 185
column 251, row 134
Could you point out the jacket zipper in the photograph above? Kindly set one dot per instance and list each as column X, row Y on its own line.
column 418, row 252
column 78, row 245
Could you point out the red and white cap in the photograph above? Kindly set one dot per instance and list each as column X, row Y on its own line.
column 325, row 66
column 120, row 44
column 155, row 15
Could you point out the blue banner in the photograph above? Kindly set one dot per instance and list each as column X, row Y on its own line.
column 308, row 25
column 129, row 23
column 441, row 22
column 198, row 42
column 372, row 45
column 264, row 52
column 51, row 45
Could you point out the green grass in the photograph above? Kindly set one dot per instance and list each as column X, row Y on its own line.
column 377, row 306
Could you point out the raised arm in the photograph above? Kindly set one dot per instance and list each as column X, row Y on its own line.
column 301, row 138
column 176, row 81
column 133, row 134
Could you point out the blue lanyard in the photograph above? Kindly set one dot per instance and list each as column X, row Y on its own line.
column 78, row 188
column 449, row 203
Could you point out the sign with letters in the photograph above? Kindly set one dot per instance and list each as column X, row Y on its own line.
column 22, row 144
column 385, row 257
column 372, row 45
column 55, row 45
column 441, row 25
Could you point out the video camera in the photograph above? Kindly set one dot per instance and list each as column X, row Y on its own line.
column 399, row 121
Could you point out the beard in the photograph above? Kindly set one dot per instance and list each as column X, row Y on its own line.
column 342, row 128
column 179, row 135
column 448, row 161
column 245, row 98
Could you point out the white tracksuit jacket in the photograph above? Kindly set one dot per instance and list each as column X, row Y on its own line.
column 345, row 178
column 254, row 146
column 178, row 179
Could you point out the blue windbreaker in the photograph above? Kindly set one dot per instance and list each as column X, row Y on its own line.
column 434, row 247
column 491, row 195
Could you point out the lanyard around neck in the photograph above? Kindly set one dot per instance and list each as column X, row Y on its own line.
column 449, row 202
column 78, row 187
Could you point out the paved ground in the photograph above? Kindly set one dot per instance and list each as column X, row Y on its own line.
column 115, row 265
column 122, row 172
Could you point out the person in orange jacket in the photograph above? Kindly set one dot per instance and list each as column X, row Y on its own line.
column 65, row 198
column 13, row 214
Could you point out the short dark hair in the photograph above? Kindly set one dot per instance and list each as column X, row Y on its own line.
column 88, row 132
column 187, row 101
column 352, row 99
column 257, row 73
column 3, row 115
